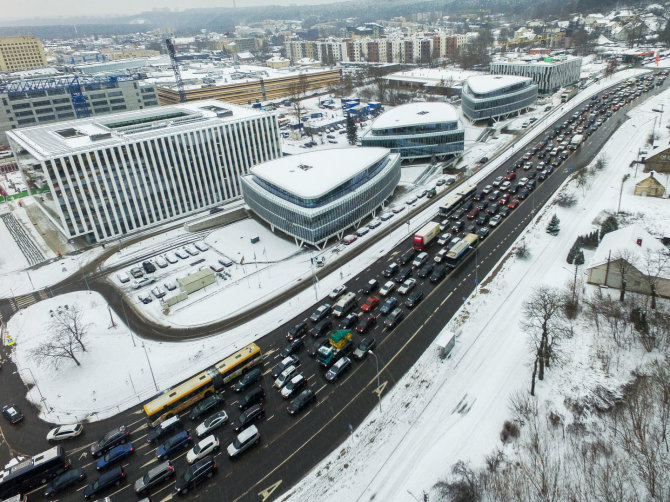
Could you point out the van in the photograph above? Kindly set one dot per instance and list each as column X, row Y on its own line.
column 244, row 440
column 226, row 262
column 420, row 259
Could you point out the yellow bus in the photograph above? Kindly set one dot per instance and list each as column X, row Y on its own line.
column 205, row 383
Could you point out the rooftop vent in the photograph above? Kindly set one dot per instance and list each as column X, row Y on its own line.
column 304, row 167
column 70, row 132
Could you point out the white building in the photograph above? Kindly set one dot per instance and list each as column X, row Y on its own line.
column 491, row 96
column 120, row 173
column 549, row 74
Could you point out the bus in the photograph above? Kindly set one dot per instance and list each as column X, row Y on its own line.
column 457, row 199
column 33, row 472
column 205, row 383
column 461, row 250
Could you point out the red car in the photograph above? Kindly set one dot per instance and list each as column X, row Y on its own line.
column 510, row 176
column 513, row 204
column 370, row 304
column 504, row 199
column 474, row 212
column 366, row 323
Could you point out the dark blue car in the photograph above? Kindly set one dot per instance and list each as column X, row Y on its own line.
column 389, row 305
column 175, row 444
column 114, row 455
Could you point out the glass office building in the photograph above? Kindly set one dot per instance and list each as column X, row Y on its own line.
column 316, row 196
column 494, row 96
column 418, row 131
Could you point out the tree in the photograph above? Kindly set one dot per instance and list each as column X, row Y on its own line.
column 601, row 163
column 609, row 225
column 623, row 262
column 377, row 75
column 554, row 225
column 297, row 91
column 66, row 332
column 69, row 319
column 655, row 265
column 352, row 132
column 576, row 259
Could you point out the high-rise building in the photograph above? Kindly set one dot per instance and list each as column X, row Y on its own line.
column 492, row 96
column 113, row 175
column 549, row 74
column 21, row 53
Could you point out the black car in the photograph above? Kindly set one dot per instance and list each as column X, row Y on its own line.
column 68, row 478
column 249, row 378
column 163, row 429
column 322, row 327
column 12, row 413
column 297, row 331
column 361, row 351
column 493, row 209
column 349, row 321
column 292, row 347
column 394, row 318
column 391, row 270
column 248, row 416
column 154, row 477
column 149, row 267
column 291, row 360
column 458, row 226
column 403, row 274
column 439, row 273
column 110, row 440
column 407, row 256
column 174, row 444
column 370, row 286
column 300, row 402
column 414, row 298
column 482, row 218
column 523, row 193
column 483, row 205
column 483, row 233
column 111, row 478
column 479, row 196
column 389, row 305
column 197, row 473
column 254, row 396
column 207, row 404
column 425, row 270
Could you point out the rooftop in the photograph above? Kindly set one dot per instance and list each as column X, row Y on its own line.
column 312, row 174
column 416, row 114
column 80, row 135
column 483, row 84
column 535, row 61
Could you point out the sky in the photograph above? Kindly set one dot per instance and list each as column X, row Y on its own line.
column 70, row 8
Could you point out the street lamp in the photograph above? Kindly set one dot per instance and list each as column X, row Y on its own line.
column 19, row 370
column 379, row 392
column 150, row 368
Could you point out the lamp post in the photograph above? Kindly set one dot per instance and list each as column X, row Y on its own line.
column 19, row 370
column 379, row 394
column 150, row 368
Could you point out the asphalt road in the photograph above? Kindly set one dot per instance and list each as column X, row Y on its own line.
column 291, row 446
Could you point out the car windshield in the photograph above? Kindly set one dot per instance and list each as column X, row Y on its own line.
column 197, row 449
column 188, row 475
column 237, row 444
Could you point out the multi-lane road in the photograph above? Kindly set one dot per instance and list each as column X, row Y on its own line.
column 291, row 446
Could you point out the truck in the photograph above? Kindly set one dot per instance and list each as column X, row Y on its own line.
column 425, row 235
column 344, row 304
column 339, row 345
column 568, row 94
column 461, row 250
column 576, row 141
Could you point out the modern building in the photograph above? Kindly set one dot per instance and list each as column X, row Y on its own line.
column 493, row 96
column 316, row 196
column 113, row 175
column 42, row 101
column 418, row 130
column 21, row 53
column 550, row 74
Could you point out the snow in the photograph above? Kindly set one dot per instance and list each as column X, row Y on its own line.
column 623, row 242
column 483, row 84
column 413, row 114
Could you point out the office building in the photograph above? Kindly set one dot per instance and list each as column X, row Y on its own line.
column 21, row 53
column 550, row 74
column 492, row 96
column 113, row 175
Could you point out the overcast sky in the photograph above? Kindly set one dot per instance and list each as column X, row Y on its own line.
column 61, row 8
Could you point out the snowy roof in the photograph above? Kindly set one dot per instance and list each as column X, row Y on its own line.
column 312, row 174
column 483, row 84
column 535, row 61
column 416, row 114
column 623, row 242
column 656, row 151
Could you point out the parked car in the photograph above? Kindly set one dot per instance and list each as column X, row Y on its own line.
column 205, row 405
column 154, row 477
column 174, row 444
column 366, row 344
column 64, row 432
column 212, row 422
column 113, row 477
column 204, row 447
column 338, row 369
column 198, row 472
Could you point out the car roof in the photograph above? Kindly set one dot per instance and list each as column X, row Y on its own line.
column 250, row 431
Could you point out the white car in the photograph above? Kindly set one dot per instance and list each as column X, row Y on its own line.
column 204, row 447
column 212, row 422
column 505, row 185
column 407, row 286
column 387, row 288
column 171, row 257
column 160, row 261
column 337, row 292
column 523, row 181
column 64, row 432
column 362, row 231
column 498, row 181
column 495, row 221
column 487, row 189
column 374, row 223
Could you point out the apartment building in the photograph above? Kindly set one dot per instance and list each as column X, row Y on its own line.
column 21, row 53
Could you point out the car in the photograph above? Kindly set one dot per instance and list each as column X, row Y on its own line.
column 295, row 383
column 321, row 328
column 365, row 323
column 414, row 298
column 292, row 347
column 483, row 160
column 181, row 254
column 226, row 262
column 387, row 288
column 362, row 231
column 370, row 286
column 483, row 232
column 474, row 212
column 164, row 428
column 403, row 274
column 114, row 455
column 217, row 267
column 113, row 477
column 458, row 226
column 495, row 220
column 410, row 201
column 137, row 272
column 394, row 318
column 510, row 176
column 453, row 242
column 439, row 273
column 495, row 195
column 523, row 193
column 149, row 267
column 204, row 447
column 349, row 239
column 505, row 185
column 444, row 238
column 483, row 205
column 174, row 444
column 389, row 305
column 398, row 209
column 154, row 477
column 440, row 255
column 349, row 321
column 441, row 182
column 285, row 376
column 338, row 369
column 303, row 399
column 482, row 218
column 391, row 269
column 407, row 286
column 198, row 472
column 62, row 481
column 425, row 270
column 297, row 331
column 113, row 438
column 362, row 349
column 321, row 312
column 123, row 277
column 513, row 204
column 243, row 441
column 337, row 292
column 504, row 199
column 254, row 396
column 160, row 261
column 496, row 182
column 209, row 403
column 479, row 195
column 248, row 379
column 64, row 432
column 374, row 223
column 212, row 422
column 386, row 216
column 291, row 360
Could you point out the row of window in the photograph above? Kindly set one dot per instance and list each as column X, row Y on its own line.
column 498, row 92
column 417, row 129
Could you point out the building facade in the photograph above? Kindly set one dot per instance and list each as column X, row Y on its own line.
column 493, row 96
column 21, row 53
column 113, row 175
column 549, row 74
column 657, row 160
column 316, row 196
column 31, row 102
column 418, row 130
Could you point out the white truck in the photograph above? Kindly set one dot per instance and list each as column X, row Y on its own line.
column 576, row 141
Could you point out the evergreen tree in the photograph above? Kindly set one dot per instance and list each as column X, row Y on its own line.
column 554, row 226
column 352, row 133
column 609, row 225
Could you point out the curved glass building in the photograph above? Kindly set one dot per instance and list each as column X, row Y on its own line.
column 317, row 195
column 418, row 130
column 492, row 96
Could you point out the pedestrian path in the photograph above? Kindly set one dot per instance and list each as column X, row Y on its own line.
column 23, row 240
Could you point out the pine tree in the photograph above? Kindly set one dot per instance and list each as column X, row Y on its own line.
column 554, row 226
column 352, row 133
column 609, row 225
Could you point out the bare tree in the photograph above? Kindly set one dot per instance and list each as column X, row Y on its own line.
column 68, row 319
column 655, row 264
column 297, row 91
column 61, row 345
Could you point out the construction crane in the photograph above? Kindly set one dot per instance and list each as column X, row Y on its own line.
column 175, row 69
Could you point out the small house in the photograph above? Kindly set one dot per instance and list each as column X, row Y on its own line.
column 657, row 160
column 649, row 187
